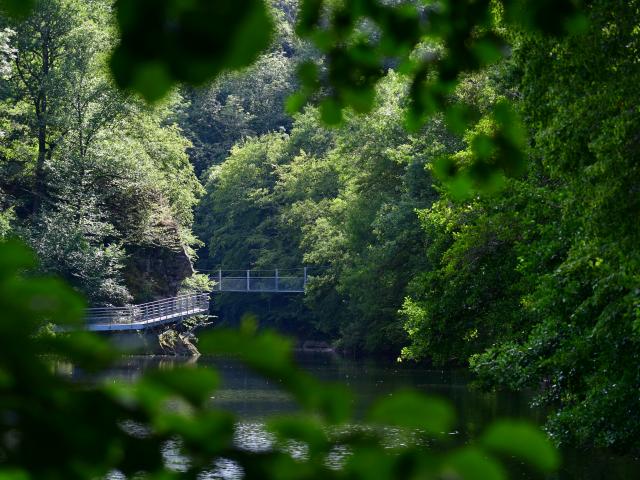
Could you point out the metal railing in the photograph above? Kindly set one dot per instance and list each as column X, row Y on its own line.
column 151, row 313
column 260, row 281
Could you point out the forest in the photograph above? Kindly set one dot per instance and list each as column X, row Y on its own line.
column 461, row 179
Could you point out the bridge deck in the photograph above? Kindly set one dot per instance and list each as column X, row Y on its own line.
column 146, row 315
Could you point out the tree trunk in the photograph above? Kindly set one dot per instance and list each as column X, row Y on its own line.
column 40, row 184
column 39, row 187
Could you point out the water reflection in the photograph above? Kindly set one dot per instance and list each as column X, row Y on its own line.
column 253, row 399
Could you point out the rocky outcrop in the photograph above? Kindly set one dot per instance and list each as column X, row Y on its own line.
column 157, row 263
column 156, row 272
column 151, row 342
column 180, row 344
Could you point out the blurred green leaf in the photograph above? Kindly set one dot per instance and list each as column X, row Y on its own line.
column 14, row 257
column 523, row 441
column 271, row 355
column 549, row 16
column 304, row 429
column 84, row 349
column 6, row 380
column 410, row 409
column 152, row 80
column 509, row 123
column 168, row 41
column 333, row 401
column 367, row 463
column 330, row 111
column 361, row 100
column 308, row 74
column 483, row 146
column 472, row 464
column 267, row 352
column 17, row 8
column 13, row 474
column 42, row 300
column 458, row 117
column 488, row 49
column 210, row 432
column 308, row 15
column 460, row 186
column 193, row 384
column 295, row 102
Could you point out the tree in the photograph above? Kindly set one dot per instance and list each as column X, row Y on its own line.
column 113, row 176
column 342, row 202
column 583, row 268
column 41, row 42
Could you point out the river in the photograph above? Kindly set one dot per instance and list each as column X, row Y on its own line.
column 254, row 399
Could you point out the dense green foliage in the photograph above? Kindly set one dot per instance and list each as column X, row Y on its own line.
column 312, row 196
column 532, row 275
column 88, row 174
column 582, row 266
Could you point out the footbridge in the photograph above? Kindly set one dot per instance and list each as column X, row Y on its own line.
column 260, row 281
column 176, row 309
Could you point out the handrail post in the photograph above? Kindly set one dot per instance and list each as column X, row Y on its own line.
column 305, row 277
column 277, row 281
column 248, row 280
column 219, row 279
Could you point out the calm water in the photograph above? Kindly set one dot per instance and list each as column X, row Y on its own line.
column 254, row 399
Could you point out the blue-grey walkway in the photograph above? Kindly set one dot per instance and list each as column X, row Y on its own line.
column 147, row 315
column 177, row 309
column 260, row 281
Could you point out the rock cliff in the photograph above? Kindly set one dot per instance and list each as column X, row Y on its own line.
column 156, row 268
